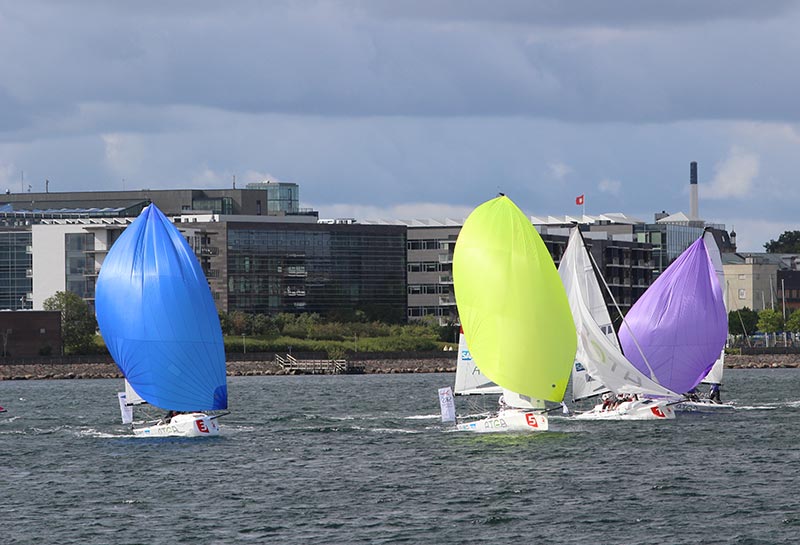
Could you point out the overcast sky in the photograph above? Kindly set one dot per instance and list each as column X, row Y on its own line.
column 414, row 109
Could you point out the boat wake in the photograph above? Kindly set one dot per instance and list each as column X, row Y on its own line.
column 422, row 417
column 768, row 407
column 794, row 404
column 393, row 430
column 91, row 432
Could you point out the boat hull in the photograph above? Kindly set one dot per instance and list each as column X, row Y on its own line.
column 507, row 421
column 646, row 409
column 182, row 425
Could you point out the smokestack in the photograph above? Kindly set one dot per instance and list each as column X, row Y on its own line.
column 693, row 213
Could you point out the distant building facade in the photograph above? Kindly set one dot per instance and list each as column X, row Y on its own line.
column 625, row 264
column 762, row 280
column 254, row 264
column 30, row 333
column 260, row 199
column 334, row 269
column 789, row 290
column 16, row 268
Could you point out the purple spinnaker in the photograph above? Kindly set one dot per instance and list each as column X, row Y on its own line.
column 680, row 322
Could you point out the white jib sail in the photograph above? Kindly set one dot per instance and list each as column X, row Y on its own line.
column 469, row 379
column 598, row 348
column 447, row 404
column 715, row 375
column 132, row 398
column 519, row 401
column 126, row 411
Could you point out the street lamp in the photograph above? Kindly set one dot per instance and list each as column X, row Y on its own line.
column 244, row 346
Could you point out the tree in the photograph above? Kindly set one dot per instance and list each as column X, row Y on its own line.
column 793, row 322
column 770, row 321
column 742, row 322
column 787, row 243
column 78, row 324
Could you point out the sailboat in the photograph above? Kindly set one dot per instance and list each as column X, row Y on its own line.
column 600, row 365
column 514, row 314
column 470, row 382
column 159, row 322
column 677, row 330
column 2, row 410
column 699, row 403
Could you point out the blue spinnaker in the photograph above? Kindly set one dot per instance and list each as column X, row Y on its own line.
column 680, row 322
column 158, row 318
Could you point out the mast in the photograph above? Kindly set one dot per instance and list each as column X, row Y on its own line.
column 595, row 268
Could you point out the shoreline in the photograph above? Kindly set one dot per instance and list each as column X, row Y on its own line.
column 59, row 371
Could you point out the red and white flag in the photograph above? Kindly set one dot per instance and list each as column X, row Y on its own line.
column 579, row 200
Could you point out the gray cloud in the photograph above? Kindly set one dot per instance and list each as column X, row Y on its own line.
column 374, row 104
column 330, row 58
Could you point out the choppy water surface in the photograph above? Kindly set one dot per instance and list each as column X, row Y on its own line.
column 363, row 459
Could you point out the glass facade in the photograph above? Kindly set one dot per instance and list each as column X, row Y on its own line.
column 16, row 270
column 222, row 205
column 79, row 254
column 281, row 197
column 323, row 268
column 668, row 240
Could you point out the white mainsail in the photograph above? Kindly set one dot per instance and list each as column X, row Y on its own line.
column 469, row 379
column 715, row 375
column 598, row 348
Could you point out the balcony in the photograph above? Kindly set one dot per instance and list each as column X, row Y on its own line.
column 296, row 272
column 448, row 279
column 445, row 258
column 447, row 301
column 293, row 292
column 208, row 250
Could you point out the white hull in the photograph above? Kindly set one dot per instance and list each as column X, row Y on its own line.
column 702, row 406
column 646, row 409
column 507, row 421
column 182, row 425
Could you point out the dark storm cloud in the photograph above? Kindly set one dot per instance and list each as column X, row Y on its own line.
column 575, row 61
column 580, row 12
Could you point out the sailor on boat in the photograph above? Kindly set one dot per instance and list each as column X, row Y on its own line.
column 714, row 393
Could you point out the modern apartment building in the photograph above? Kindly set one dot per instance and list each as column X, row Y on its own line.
column 16, row 268
column 255, row 264
column 761, row 281
column 627, row 265
column 261, row 252
column 259, row 199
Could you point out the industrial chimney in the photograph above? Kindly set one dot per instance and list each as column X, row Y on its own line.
column 693, row 213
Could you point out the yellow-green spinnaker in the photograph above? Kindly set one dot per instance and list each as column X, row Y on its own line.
column 512, row 304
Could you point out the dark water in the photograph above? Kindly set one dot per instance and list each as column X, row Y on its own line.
column 363, row 459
